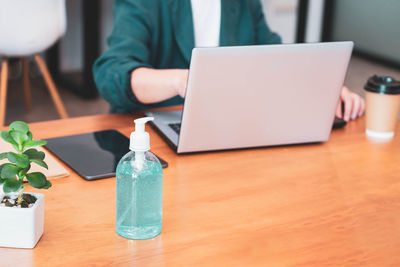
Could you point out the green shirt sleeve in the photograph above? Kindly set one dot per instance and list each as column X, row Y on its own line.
column 129, row 48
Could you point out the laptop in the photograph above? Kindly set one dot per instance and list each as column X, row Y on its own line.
column 257, row 96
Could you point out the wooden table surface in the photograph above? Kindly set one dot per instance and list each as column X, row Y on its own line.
column 331, row 204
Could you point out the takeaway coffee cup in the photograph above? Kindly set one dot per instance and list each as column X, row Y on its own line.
column 383, row 105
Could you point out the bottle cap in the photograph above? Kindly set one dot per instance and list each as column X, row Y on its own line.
column 140, row 140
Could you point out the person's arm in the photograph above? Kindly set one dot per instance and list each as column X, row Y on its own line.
column 152, row 86
column 124, row 74
column 128, row 50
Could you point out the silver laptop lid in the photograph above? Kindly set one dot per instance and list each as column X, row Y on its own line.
column 251, row 96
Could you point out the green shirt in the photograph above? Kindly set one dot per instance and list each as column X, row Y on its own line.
column 159, row 34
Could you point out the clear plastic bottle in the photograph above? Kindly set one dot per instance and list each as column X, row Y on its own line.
column 139, row 189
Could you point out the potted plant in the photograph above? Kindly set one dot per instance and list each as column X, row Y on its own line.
column 21, row 214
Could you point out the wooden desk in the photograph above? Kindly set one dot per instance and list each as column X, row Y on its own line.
column 332, row 204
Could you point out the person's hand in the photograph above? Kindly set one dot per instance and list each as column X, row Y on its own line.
column 354, row 105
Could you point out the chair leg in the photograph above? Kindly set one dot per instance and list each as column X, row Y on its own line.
column 27, row 85
column 51, row 86
column 3, row 91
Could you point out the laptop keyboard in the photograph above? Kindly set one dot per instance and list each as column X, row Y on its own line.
column 176, row 127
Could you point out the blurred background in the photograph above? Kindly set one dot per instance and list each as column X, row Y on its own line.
column 372, row 25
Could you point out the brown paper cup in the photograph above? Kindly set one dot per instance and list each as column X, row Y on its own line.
column 382, row 112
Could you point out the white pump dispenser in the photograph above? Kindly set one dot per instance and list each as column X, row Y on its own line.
column 140, row 140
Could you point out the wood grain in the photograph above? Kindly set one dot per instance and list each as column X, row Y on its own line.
column 331, row 204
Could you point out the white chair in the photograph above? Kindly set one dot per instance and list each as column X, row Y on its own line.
column 28, row 27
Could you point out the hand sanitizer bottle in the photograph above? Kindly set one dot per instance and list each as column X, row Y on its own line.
column 139, row 188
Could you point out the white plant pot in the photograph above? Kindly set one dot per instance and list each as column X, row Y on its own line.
column 22, row 227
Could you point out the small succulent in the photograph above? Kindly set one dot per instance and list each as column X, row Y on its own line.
column 13, row 173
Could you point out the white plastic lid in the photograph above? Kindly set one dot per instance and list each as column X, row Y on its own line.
column 140, row 140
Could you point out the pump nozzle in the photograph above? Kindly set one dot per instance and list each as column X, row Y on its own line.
column 140, row 140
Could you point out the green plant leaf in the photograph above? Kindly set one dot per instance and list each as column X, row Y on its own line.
column 12, row 185
column 23, row 172
column 7, row 137
column 34, row 154
column 20, row 160
column 36, row 179
column 2, row 180
column 19, row 137
column 19, row 126
column 9, row 170
column 40, row 163
column 32, row 143
column 3, row 155
column 29, row 134
column 47, row 185
column 1, row 168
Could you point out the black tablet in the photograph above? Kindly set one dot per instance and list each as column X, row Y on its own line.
column 92, row 155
